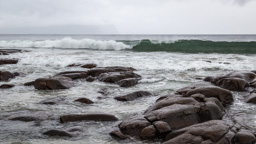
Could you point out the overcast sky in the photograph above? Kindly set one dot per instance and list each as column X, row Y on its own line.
column 128, row 16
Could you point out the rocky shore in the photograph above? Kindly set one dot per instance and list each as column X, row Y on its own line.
column 191, row 115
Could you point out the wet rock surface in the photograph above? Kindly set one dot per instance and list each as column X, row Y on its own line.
column 57, row 133
column 84, row 100
column 6, row 75
column 53, row 83
column 134, row 95
column 6, row 86
column 235, row 81
column 87, row 117
column 186, row 107
column 8, row 61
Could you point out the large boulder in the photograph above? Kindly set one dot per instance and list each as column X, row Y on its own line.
column 53, row 83
column 236, row 81
column 87, row 117
column 222, row 95
column 215, row 131
column 184, row 108
column 8, row 61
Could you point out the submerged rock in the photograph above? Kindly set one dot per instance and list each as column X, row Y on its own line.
column 8, row 61
column 84, row 100
column 6, row 75
column 73, row 74
column 53, row 83
column 10, row 51
column 6, row 86
column 89, row 65
column 59, row 133
column 134, row 95
column 87, row 117
column 129, row 82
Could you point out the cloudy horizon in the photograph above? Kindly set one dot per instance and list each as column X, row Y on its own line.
column 127, row 17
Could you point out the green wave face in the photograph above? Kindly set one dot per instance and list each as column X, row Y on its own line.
column 197, row 46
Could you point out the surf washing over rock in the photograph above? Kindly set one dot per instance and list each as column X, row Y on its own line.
column 127, row 89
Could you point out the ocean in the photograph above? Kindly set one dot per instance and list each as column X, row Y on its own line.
column 165, row 62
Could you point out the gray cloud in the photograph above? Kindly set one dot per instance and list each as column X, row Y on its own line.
column 128, row 16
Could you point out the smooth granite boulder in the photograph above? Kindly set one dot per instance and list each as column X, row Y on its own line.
column 235, row 81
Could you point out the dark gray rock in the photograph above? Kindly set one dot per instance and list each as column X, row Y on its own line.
column 6, row 75
column 87, row 117
column 8, row 61
column 6, row 86
column 129, row 82
column 57, row 133
column 134, row 95
column 84, row 100
column 53, row 83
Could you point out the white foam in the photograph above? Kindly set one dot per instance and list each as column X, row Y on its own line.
column 66, row 43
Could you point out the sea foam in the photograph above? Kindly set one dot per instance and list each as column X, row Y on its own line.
column 66, row 43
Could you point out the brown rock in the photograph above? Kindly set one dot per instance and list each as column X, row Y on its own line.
column 84, row 100
column 90, row 79
column 244, row 137
column 177, row 115
column 170, row 101
column 118, row 134
column 89, row 66
column 29, row 83
column 133, row 96
column 53, row 83
column 222, row 95
column 24, row 118
column 58, row 133
column 115, row 77
column 162, row 127
column 6, row 86
column 8, row 61
column 213, row 131
column 251, row 98
column 133, row 126
column 6, row 75
column 148, row 132
column 236, row 81
column 87, row 117
column 128, row 82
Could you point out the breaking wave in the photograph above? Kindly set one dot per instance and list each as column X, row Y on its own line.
column 66, row 43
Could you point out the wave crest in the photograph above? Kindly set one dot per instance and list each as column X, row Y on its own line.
column 66, row 43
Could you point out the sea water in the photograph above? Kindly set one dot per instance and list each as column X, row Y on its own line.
column 163, row 71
